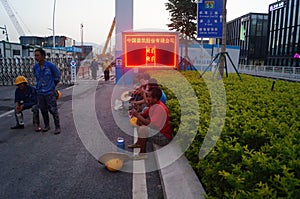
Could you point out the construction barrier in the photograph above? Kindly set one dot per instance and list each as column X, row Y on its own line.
column 10, row 68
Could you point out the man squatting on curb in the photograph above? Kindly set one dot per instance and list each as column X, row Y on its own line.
column 25, row 98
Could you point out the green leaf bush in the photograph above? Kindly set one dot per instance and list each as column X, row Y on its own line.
column 257, row 154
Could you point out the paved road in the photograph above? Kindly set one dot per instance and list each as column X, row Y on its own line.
column 44, row 165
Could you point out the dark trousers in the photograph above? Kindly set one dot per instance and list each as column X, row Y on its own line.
column 35, row 113
column 47, row 103
column 106, row 75
column 94, row 73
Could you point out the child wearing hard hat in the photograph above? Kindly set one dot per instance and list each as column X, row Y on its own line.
column 25, row 98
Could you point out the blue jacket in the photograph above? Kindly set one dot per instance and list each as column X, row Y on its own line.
column 27, row 98
column 163, row 97
column 47, row 78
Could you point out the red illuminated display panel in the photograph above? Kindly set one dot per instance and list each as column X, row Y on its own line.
column 150, row 49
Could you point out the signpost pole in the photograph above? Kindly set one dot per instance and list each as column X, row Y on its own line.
column 223, row 49
column 73, row 71
column 210, row 19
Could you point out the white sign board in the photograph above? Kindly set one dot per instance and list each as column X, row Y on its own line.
column 73, row 71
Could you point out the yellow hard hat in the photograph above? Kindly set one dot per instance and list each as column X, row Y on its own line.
column 114, row 164
column 133, row 121
column 58, row 94
column 21, row 79
column 113, row 161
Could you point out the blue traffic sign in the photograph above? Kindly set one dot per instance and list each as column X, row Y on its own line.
column 209, row 18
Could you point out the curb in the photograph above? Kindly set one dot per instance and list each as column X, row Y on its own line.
column 179, row 179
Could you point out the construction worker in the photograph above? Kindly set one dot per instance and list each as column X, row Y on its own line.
column 94, row 68
column 154, row 123
column 47, row 77
column 25, row 98
column 107, row 68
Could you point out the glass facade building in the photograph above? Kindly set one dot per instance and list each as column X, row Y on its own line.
column 250, row 33
column 283, row 33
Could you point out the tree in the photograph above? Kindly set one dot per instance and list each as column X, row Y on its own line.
column 183, row 19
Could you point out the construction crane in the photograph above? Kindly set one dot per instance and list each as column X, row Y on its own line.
column 12, row 17
column 103, row 54
column 5, row 32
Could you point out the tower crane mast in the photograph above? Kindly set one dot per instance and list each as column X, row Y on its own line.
column 13, row 17
column 108, row 37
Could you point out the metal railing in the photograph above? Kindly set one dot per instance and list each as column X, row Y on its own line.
column 277, row 72
column 10, row 68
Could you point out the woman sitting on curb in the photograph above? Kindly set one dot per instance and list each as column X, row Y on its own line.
column 154, row 123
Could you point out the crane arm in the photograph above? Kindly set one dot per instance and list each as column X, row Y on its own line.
column 12, row 17
column 109, row 36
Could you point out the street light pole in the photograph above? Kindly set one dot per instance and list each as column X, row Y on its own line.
column 81, row 29
column 53, row 30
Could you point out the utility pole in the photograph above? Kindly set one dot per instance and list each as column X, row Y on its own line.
column 53, row 30
column 5, row 32
column 81, row 30
column 223, row 49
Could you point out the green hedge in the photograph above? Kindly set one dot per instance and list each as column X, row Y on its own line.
column 257, row 154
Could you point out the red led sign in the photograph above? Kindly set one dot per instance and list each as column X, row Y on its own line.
column 150, row 49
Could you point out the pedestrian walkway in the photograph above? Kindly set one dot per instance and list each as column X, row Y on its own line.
column 286, row 77
column 100, row 76
column 275, row 72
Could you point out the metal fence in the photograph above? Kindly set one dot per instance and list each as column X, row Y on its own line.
column 10, row 68
column 278, row 72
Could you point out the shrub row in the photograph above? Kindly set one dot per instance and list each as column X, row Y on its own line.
column 256, row 155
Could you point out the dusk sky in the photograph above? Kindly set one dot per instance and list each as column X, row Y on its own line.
column 35, row 16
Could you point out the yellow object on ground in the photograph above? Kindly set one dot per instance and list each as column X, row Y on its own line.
column 114, row 164
column 114, row 161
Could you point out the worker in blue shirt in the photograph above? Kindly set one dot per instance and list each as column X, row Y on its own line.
column 47, row 77
column 25, row 98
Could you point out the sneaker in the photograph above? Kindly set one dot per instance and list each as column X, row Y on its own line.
column 38, row 129
column 18, row 126
column 47, row 128
column 134, row 146
column 57, row 131
column 140, row 156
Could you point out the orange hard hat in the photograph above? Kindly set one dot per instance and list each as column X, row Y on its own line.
column 113, row 161
column 21, row 79
column 133, row 121
column 58, row 94
column 114, row 164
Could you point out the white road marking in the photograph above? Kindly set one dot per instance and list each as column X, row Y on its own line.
column 69, row 87
column 139, row 184
column 7, row 113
